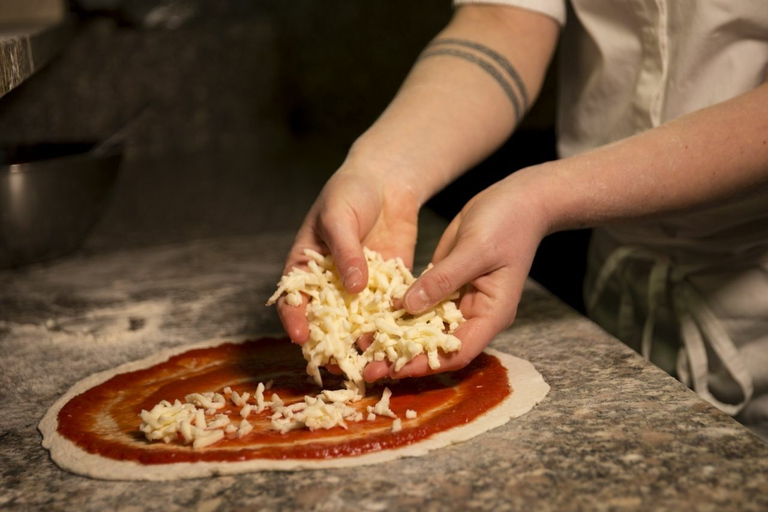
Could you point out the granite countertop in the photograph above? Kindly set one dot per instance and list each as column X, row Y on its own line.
column 27, row 47
column 31, row 33
column 615, row 433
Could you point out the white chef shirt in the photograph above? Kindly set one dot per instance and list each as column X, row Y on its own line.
column 689, row 291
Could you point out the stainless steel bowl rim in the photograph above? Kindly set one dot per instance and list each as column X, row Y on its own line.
column 48, row 163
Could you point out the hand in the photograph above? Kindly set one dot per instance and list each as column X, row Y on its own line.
column 486, row 252
column 359, row 206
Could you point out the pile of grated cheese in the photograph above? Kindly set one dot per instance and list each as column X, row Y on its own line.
column 198, row 421
column 337, row 319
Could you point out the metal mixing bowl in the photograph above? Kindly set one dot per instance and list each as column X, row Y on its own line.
column 51, row 195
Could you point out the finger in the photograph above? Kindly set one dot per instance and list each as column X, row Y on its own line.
column 365, row 341
column 447, row 240
column 334, row 369
column 447, row 276
column 475, row 334
column 376, row 370
column 294, row 319
column 342, row 239
column 306, row 238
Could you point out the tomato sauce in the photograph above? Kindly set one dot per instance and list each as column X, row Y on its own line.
column 104, row 420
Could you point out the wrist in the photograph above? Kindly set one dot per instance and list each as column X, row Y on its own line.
column 548, row 202
column 391, row 166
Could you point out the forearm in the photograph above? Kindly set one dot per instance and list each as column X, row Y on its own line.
column 702, row 158
column 451, row 111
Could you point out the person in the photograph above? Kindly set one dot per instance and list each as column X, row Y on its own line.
column 663, row 150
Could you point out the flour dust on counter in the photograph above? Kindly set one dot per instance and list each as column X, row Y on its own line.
column 245, row 404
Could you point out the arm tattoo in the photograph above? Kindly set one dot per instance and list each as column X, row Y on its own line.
column 487, row 67
column 496, row 56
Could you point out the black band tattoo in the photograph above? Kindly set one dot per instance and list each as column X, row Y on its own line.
column 487, row 67
column 496, row 56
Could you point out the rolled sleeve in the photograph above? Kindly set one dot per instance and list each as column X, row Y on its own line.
column 552, row 8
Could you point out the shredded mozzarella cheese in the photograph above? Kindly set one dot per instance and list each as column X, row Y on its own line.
column 337, row 319
column 382, row 407
column 195, row 424
column 208, row 439
column 245, row 428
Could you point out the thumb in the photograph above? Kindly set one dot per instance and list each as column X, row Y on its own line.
column 447, row 276
column 348, row 255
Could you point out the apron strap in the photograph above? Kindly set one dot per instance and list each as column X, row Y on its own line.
column 698, row 325
column 657, row 285
column 610, row 266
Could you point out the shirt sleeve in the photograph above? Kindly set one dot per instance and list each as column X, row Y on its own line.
column 552, row 8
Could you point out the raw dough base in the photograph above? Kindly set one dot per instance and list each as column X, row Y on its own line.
column 527, row 384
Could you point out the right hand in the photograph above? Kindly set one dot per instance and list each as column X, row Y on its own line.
column 486, row 253
column 359, row 206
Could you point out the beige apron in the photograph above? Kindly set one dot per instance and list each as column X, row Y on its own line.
column 692, row 296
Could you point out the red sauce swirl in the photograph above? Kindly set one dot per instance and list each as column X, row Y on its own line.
column 104, row 419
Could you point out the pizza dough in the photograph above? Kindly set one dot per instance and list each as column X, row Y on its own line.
column 528, row 389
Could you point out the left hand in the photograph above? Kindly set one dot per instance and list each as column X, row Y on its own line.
column 359, row 206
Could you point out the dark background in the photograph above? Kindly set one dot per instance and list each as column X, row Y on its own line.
column 241, row 97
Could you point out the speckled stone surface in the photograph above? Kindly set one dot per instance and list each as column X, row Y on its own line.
column 24, row 49
column 615, row 433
